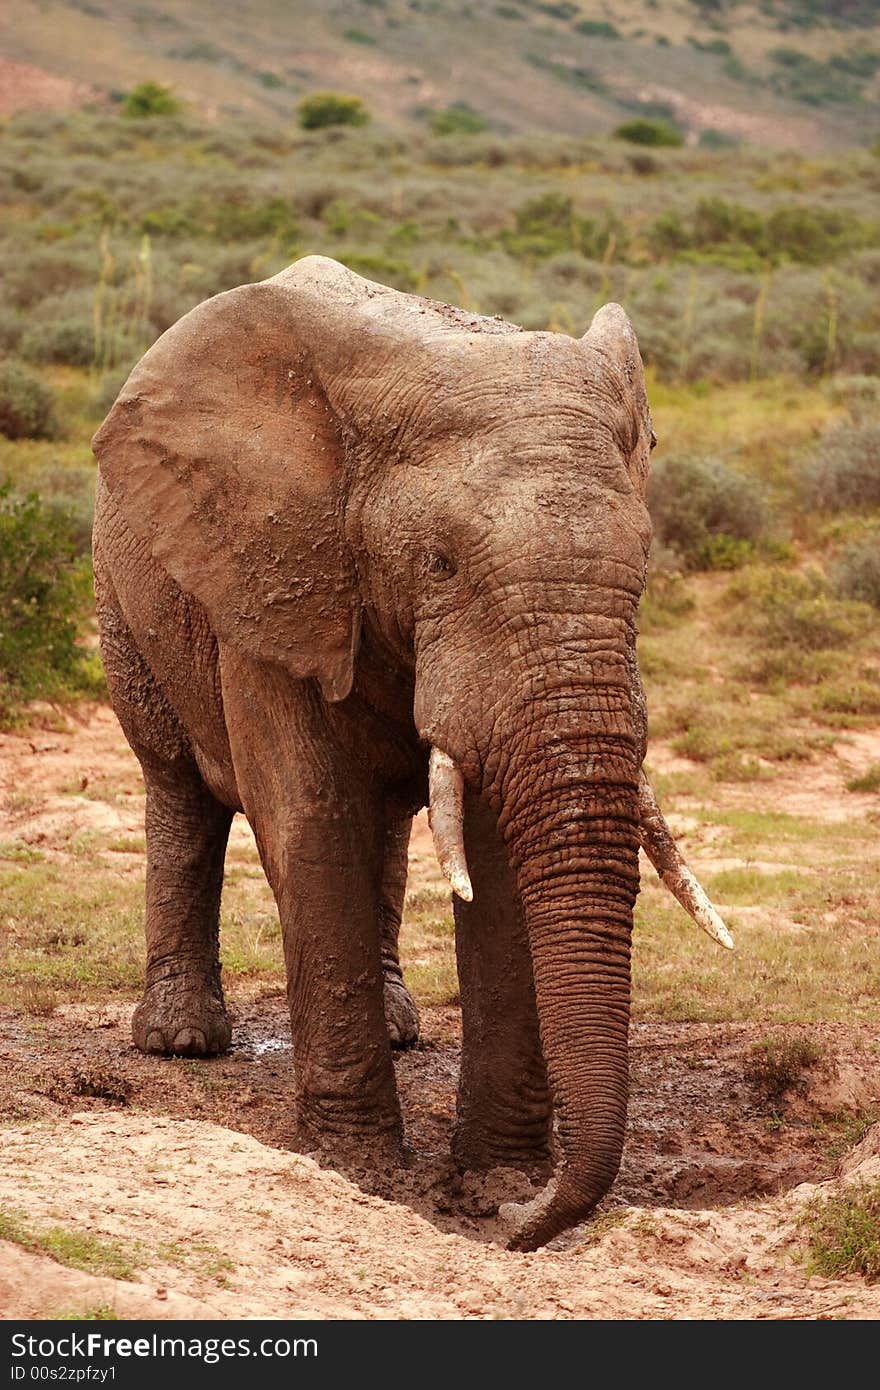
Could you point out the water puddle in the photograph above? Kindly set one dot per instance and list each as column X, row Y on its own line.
column 265, row 1046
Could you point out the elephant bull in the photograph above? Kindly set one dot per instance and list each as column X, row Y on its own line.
column 356, row 550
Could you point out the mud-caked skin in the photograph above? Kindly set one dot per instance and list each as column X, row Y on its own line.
column 336, row 526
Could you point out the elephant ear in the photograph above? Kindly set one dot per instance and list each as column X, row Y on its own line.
column 612, row 335
column 223, row 453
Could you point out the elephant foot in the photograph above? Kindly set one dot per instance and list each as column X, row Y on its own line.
column 401, row 1014
column 480, row 1152
column 353, row 1151
column 175, row 1020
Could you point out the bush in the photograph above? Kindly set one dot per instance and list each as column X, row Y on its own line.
column 867, row 781
column 150, row 99
column 773, row 1068
column 548, row 224
column 794, row 611
column 598, row 29
column 845, row 471
column 722, row 229
column 27, row 406
column 845, row 1232
column 322, row 109
column 70, row 340
column 45, row 595
column 399, row 274
column 705, row 511
column 459, row 119
column 656, row 133
column 856, row 574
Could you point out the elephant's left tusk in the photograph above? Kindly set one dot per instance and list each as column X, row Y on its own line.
column 664, row 854
column 446, row 819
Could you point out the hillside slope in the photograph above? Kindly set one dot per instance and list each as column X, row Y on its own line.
column 786, row 73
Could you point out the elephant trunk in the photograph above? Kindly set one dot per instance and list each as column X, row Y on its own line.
column 570, row 819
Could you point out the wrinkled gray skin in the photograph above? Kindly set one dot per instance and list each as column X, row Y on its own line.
column 337, row 524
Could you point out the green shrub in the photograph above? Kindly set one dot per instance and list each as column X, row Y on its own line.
column 45, row 596
column 27, row 405
column 557, row 9
column 717, row 226
column 845, row 1232
column 150, row 99
column 459, row 119
column 70, row 340
column 847, row 698
column 719, row 46
column 845, row 470
column 792, row 610
column 705, row 511
column 856, row 573
column 867, row 781
column 657, row 133
column 322, row 109
column 806, row 14
column 598, row 29
column 772, row 1068
column 384, row 269
column 108, row 389
column 548, row 225
column 807, row 79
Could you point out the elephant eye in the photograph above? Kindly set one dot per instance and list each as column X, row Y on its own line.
column 440, row 566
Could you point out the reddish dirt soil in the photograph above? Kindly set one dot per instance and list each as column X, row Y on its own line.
column 186, row 1166
column 24, row 87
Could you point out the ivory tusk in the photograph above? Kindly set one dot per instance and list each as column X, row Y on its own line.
column 664, row 854
column 446, row 819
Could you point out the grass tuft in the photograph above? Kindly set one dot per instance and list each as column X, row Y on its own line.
column 773, row 1068
column 75, row 1249
column 844, row 1233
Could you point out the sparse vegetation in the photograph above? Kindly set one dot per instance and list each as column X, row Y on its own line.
column 844, row 1232
column 773, row 1068
column 867, row 781
column 786, row 609
column 76, row 1249
column 97, row 1312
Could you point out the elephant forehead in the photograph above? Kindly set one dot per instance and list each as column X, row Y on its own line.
column 462, row 384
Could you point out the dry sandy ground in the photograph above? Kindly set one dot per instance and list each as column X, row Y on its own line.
column 184, row 1166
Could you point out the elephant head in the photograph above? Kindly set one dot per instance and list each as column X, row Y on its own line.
column 326, row 465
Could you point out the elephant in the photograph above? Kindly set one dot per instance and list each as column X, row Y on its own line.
column 357, row 551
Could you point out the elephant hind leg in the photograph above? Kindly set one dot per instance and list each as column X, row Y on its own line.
column 183, row 1010
column 401, row 1014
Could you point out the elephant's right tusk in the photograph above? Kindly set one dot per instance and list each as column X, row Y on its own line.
column 664, row 854
column 446, row 819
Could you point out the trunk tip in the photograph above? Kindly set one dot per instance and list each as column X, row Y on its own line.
column 547, row 1215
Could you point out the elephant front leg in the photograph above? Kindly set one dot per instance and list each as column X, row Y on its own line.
column 319, row 827
column 401, row 1014
column 503, row 1107
column 323, row 873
